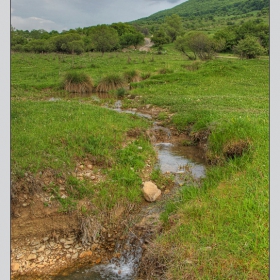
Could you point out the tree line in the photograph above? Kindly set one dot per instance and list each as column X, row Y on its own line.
column 103, row 38
column 248, row 39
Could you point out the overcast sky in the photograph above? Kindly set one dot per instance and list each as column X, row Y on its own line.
column 66, row 14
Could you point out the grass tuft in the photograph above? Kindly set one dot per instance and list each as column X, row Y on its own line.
column 76, row 82
column 110, row 82
column 132, row 76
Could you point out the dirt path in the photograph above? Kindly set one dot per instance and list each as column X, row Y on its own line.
column 147, row 46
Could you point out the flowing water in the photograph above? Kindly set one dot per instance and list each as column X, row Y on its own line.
column 176, row 159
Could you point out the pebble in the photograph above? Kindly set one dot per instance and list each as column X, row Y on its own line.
column 40, row 259
column 41, row 249
column 48, row 252
column 89, row 166
column 24, row 204
column 66, row 246
column 75, row 256
column 34, row 243
column 31, row 257
column 85, row 254
column 69, row 242
column 62, row 240
column 45, row 239
column 15, row 266
column 19, row 256
column 68, row 256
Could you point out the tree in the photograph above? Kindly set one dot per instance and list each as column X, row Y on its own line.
column 134, row 39
column 160, row 38
column 105, row 38
column 174, row 26
column 198, row 43
column 249, row 48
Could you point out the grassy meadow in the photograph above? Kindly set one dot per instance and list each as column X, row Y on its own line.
column 218, row 231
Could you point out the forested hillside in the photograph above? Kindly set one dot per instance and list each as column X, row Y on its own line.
column 209, row 8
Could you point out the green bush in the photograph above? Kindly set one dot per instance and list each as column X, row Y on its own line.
column 249, row 48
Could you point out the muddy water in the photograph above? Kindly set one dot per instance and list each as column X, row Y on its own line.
column 179, row 160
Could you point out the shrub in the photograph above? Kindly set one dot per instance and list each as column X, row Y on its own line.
column 249, row 48
column 77, row 82
column 110, row 82
column 132, row 76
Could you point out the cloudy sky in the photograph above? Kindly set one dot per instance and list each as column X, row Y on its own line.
column 66, row 14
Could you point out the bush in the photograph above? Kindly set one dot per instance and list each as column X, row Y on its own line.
column 77, row 82
column 249, row 48
column 110, row 82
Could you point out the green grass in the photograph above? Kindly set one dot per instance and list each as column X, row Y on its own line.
column 217, row 231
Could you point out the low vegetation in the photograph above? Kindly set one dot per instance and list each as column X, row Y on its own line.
column 218, row 229
column 78, row 82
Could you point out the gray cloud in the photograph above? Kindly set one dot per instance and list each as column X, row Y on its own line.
column 66, row 14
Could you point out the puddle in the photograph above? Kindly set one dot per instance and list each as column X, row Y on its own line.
column 179, row 160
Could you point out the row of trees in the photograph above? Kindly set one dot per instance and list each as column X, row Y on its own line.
column 248, row 40
column 101, row 38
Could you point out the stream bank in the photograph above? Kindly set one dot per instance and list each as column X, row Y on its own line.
column 118, row 251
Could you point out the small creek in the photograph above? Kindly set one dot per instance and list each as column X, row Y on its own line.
column 183, row 162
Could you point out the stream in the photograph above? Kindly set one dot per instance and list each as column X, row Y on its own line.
column 182, row 162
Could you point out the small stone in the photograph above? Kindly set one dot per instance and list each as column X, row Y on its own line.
column 75, row 256
column 68, row 242
column 89, row 166
column 86, row 254
column 45, row 239
column 81, row 166
column 98, row 261
column 66, row 246
column 48, row 252
column 31, row 257
column 68, row 256
column 62, row 240
column 92, row 177
column 88, row 174
column 151, row 191
column 19, row 256
column 40, row 259
column 15, row 266
column 94, row 246
column 41, row 249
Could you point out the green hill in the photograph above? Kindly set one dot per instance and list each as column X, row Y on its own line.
column 208, row 9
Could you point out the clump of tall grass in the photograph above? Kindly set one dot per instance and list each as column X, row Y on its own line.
column 76, row 82
column 110, row 82
column 132, row 76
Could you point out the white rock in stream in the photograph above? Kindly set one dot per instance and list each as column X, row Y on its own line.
column 151, row 191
